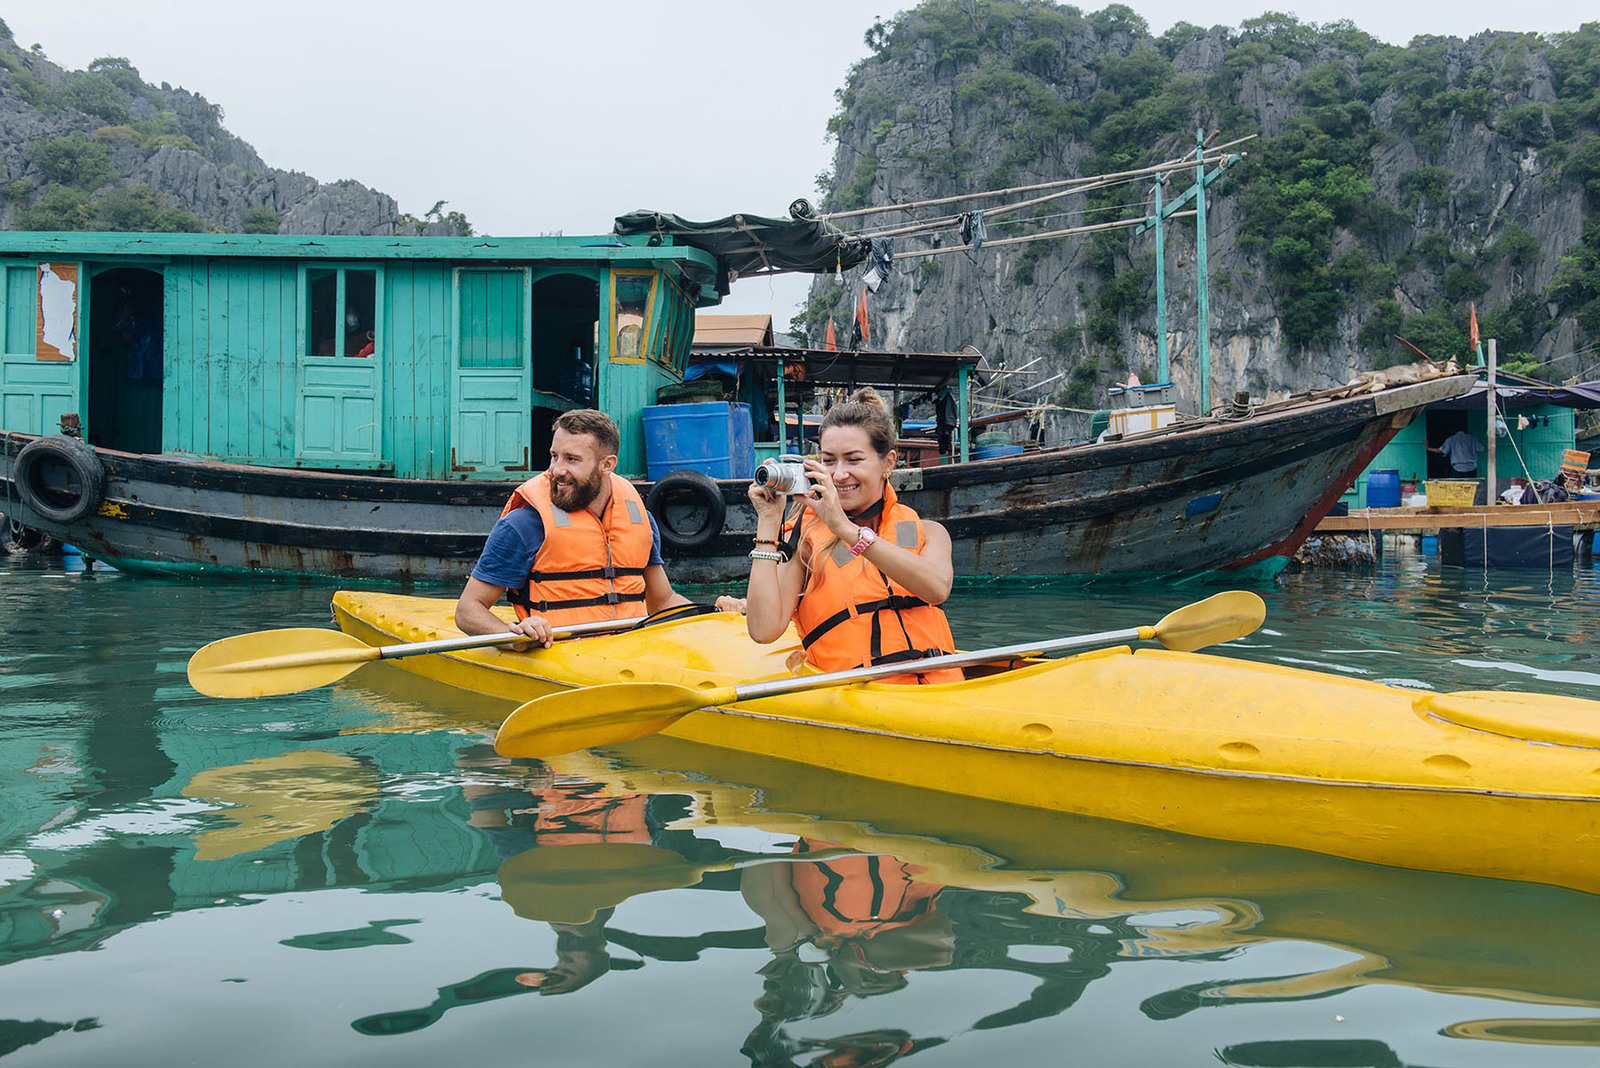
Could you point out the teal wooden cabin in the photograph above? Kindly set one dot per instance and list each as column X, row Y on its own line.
column 414, row 357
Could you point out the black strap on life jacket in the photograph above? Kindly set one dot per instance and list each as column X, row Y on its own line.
column 892, row 603
column 517, row 597
column 593, row 573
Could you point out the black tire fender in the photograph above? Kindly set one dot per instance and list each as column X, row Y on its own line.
column 85, row 485
column 688, row 507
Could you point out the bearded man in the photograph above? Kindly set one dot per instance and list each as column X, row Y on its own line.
column 574, row 543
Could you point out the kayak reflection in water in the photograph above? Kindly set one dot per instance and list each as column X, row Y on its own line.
column 860, row 574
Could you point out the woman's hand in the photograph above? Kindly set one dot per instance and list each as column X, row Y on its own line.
column 824, row 499
column 768, row 505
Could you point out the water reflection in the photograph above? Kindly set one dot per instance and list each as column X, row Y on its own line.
column 367, row 837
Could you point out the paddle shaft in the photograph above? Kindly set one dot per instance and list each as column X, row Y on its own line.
column 474, row 641
column 752, row 690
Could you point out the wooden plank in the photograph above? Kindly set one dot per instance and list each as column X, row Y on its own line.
column 197, row 438
column 246, row 329
column 1574, row 513
column 401, row 400
column 434, row 354
column 288, row 356
column 269, row 369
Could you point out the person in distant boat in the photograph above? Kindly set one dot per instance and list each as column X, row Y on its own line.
column 1462, row 450
column 574, row 543
column 860, row 574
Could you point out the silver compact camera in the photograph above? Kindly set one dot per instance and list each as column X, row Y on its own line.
column 785, row 475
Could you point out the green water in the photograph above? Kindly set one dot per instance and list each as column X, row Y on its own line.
column 351, row 877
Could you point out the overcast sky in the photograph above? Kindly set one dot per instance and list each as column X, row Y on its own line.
column 538, row 117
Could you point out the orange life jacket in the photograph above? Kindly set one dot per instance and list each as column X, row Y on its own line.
column 582, row 813
column 859, row 897
column 852, row 615
column 588, row 568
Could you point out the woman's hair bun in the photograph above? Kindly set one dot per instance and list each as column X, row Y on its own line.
column 870, row 397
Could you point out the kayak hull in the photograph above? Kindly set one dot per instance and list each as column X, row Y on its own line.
column 1503, row 785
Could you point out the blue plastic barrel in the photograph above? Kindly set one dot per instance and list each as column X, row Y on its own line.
column 714, row 438
column 1383, row 489
column 991, row 452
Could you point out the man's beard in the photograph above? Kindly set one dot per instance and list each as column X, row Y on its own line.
column 576, row 496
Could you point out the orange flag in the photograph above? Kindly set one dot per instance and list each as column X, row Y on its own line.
column 861, row 315
column 832, row 343
column 1475, row 341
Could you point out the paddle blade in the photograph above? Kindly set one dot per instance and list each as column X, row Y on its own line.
column 1217, row 619
column 599, row 715
column 272, row 662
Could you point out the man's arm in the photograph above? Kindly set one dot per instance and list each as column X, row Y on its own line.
column 473, row 615
column 658, row 591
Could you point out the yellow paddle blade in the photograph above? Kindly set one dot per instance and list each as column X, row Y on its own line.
column 280, row 798
column 599, row 715
column 1220, row 618
column 272, row 662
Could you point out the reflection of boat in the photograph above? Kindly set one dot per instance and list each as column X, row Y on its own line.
column 1431, row 931
column 1200, row 744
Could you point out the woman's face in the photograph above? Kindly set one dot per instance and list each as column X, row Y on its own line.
column 858, row 472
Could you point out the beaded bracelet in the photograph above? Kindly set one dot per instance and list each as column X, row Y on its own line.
column 768, row 554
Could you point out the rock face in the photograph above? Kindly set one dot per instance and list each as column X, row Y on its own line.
column 1389, row 190
column 101, row 149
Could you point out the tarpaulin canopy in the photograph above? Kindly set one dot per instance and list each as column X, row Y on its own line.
column 754, row 244
column 1580, row 395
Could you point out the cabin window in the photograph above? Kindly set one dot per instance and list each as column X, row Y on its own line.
column 630, row 313
column 343, row 303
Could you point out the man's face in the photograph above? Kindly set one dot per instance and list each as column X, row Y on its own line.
column 577, row 470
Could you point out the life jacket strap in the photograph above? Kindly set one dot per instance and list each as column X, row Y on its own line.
column 517, row 597
column 607, row 572
column 892, row 603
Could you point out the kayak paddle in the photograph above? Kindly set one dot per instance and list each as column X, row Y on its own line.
column 268, row 663
column 619, row 712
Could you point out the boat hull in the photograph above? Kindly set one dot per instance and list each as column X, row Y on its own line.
column 1216, row 495
column 1201, row 745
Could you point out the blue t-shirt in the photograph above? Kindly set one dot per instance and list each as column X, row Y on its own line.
column 515, row 540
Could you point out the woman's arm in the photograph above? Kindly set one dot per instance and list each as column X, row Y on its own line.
column 774, row 588
column 928, row 575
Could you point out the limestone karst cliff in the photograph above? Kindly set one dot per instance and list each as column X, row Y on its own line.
column 1389, row 189
column 99, row 149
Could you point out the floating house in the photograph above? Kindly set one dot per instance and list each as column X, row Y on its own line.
column 418, row 358
column 1540, row 425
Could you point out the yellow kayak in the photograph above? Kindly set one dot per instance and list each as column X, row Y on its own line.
column 1488, row 783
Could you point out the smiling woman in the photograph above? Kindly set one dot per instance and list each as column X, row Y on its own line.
column 860, row 574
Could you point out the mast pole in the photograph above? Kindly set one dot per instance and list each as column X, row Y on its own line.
column 1203, row 303
column 1162, row 374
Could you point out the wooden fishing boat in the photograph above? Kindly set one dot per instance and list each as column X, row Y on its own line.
column 362, row 408
column 1488, row 783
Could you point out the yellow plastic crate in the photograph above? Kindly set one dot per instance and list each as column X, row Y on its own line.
column 1450, row 492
